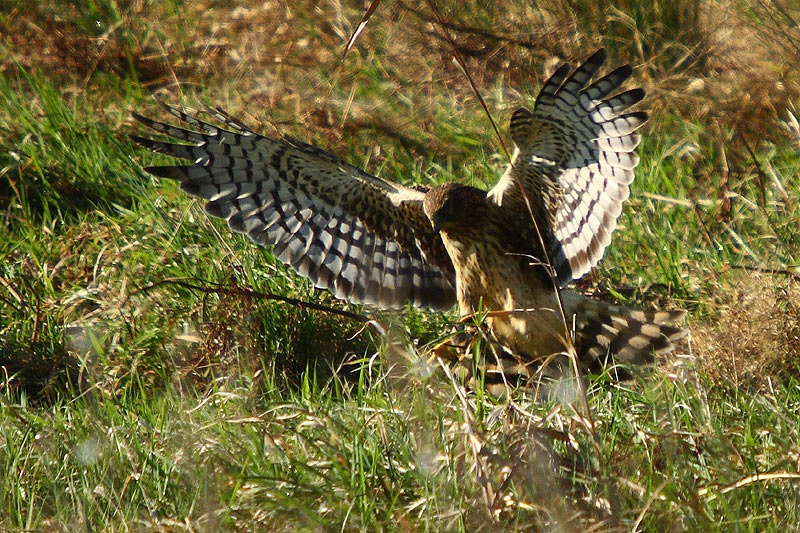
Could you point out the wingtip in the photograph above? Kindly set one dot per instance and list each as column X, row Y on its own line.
column 162, row 103
column 636, row 95
column 599, row 56
column 165, row 171
column 142, row 141
column 148, row 121
column 624, row 71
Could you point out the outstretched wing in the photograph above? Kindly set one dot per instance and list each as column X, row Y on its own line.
column 365, row 239
column 575, row 157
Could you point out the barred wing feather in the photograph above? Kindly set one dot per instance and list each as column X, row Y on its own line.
column 365, row 239
column 575, row 157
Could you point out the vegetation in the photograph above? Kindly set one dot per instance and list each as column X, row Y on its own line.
column 141, row 388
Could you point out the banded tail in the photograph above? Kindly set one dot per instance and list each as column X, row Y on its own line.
column 606, row 336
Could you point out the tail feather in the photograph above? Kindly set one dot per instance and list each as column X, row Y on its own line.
column 611, row 334
column 607, row 338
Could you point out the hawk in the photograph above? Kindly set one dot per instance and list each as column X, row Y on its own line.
column 511, row 250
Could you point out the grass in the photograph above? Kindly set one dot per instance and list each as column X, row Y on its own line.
column 132, row 403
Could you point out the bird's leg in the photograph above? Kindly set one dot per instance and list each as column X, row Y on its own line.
column 460, row 342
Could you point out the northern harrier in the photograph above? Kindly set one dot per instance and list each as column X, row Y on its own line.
column 369, row 240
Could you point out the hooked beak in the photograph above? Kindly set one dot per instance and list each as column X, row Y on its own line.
column 436, row 222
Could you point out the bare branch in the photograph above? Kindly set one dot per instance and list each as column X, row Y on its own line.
column 238, row 291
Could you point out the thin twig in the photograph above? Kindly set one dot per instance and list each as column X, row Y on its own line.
column 669, row 199
column 480, row 32
column 762, row 177
column 548, row 262
column 702, row 224
column 782, row 271
column 238, row 291
column 724, row 214
column 747, row 481
column 643, row 512
column 463, row 66
column 361, row 25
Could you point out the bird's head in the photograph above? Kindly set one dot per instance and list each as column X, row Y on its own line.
column 448, row 206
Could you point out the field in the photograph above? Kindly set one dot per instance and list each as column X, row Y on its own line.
column 152, row 379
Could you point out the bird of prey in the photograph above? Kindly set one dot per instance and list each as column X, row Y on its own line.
column 510, row 251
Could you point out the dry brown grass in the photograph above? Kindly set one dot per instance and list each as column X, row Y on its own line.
column 754, row 336
column 732, row 68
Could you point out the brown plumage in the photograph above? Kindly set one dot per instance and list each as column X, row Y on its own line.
column 369, row 240
column 501, row 267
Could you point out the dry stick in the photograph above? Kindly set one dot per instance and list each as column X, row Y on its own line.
column 762, row 177
column 724, row 173
column 669, row 199
column 549, row 264
column 643, row 512
column 480, row 32
column 352, row 40
column 703, row 228
column 235, row 290
column 762, row 188
column 777, row 181
column 15, row 293
column 782, row 271
column 705, row 491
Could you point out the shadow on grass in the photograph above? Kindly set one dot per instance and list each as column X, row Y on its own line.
column 42, row 372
